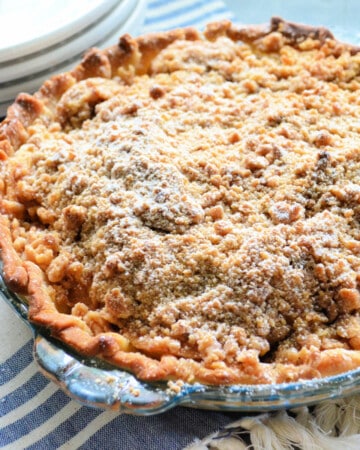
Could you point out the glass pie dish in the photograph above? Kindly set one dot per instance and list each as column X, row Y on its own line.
column 95, row 383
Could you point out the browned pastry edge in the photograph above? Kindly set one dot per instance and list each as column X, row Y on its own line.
column 25, row 277
column 14, row 271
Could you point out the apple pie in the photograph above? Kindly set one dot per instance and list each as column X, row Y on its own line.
column 186, row 205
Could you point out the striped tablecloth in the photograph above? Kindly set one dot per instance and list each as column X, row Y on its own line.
column 36, row 414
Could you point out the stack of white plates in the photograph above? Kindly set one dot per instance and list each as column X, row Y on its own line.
column 46, row 37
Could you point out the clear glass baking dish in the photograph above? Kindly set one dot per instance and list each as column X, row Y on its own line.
column 95, row 383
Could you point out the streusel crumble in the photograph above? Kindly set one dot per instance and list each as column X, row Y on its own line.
column 187, row 205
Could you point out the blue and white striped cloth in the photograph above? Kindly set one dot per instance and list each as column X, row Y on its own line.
column 167, row 14
column 34, row 412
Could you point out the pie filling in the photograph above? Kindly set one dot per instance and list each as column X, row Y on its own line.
column 199, row 221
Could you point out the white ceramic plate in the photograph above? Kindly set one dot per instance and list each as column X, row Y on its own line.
column 29, row 26
column 106, row 36
column 67, row 50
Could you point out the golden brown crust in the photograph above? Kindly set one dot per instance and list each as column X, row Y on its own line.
column 15, row 273
column 293, row 32
column 183, row 234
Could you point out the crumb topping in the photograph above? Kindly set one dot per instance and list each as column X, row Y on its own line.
column 207, row 211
